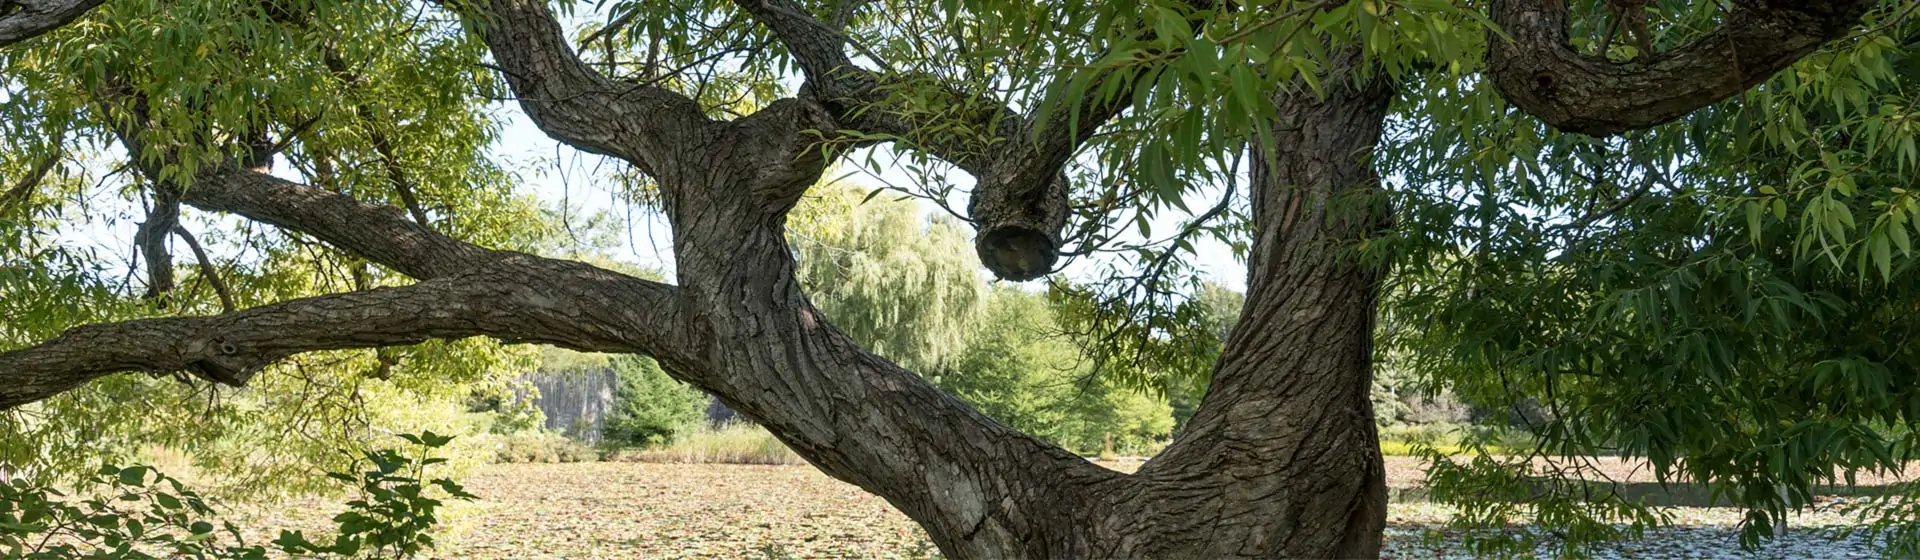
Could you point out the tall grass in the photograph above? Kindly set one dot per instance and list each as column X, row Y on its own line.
column 1452, row 439
column 735, row 443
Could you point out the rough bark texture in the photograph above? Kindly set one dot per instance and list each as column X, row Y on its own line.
column 1019, row 202
column 1539, row 72
column 1280, row 460
column 25, row 19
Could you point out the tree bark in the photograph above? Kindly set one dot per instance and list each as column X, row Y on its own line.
column 1537, row 69
column 1280, row 460
column 25, row 19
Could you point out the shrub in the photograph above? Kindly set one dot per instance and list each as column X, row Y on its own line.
column 649, row 408
column 504, row 412
column 139, row 513
column 1016, row 370
column 735, row 443
column 397, row 512
column 541, row 447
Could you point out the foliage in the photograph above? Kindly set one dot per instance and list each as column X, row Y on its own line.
column 539, row 446
column 1894, row 519
column 138, row 513
column 906, row 288
column 397, row 511
column 1016, row 370
column 734, row 443
column 1726, row 295
column 1491, row 492
column 650, row 408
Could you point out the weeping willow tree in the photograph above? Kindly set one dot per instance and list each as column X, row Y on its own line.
column 1572, row 201
column 905, row 287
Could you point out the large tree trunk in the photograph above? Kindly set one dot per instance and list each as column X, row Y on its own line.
column 1281, row 460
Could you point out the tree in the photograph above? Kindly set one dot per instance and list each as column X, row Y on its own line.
column 649, row 407
column 1017, row 369
column 1095, row 116
column 904, row 288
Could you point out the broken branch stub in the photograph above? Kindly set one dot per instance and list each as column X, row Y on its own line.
column 1019, row 225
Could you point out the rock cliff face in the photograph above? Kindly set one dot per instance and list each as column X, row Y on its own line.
column 576, row 403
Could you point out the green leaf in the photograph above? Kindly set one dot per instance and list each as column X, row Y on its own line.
column 133, row 476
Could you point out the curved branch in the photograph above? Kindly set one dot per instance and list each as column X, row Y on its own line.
column 208, row 271
column 520, row 299
column 25, row 19
column 1019, row 203
column 1538, row 71
column 230, row 348
column 382, row 234
column 575, row 104
column 816, row 46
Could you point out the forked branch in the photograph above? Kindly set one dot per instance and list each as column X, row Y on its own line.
column 572, row 102
column 1019, row 203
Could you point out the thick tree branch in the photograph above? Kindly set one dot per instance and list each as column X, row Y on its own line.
column 382, row 234
column 25, row 19
column 1019, row 203
column 520, row 298
column 378, row 233
column 1539, row 71
column 575, row 104
column 818, row 47
column 229, row 348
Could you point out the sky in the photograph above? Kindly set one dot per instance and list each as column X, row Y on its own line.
column 556, row 173
column 559, row 176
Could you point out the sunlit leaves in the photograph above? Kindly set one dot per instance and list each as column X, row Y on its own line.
column 356, row 98
column 905, row 288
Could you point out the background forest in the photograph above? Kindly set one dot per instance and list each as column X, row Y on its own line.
column 906, row 285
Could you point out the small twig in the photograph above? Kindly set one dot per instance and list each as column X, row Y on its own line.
column 1596, row 215
column 1277, row 18
column 207, row 269
column 1897, row 19
column 285, row 141
column 21, row 192
column 389, row 157
column 611, row 28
